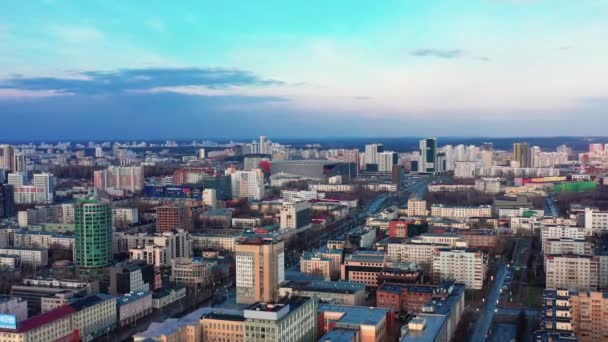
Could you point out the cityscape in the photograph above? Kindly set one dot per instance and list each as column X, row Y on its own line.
column 264, row 241
column 303, row 171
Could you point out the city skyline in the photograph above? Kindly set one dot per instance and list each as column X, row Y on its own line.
column 467, row 68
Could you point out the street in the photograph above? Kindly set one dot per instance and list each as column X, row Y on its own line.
column 487, row 311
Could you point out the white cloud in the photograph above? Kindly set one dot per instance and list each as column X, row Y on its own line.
column 77, row 34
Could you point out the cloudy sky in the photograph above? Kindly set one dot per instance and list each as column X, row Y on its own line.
column 205, row 69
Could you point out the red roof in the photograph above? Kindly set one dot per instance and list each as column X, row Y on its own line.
column 44, row 318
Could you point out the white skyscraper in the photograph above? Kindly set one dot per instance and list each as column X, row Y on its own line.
column 248, row 184
column 386, row 160
column 372, row 154
column 98, row 152
column 45, row 186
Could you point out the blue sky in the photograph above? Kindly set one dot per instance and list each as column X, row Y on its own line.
column 125, row 69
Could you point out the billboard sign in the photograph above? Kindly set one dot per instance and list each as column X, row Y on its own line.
column 8, row 321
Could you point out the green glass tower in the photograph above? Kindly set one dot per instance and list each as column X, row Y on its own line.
column 93, row 221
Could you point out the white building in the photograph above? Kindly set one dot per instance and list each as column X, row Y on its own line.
column 122, row 217
column 595, row 221
column 302, row 195
column 440, row 210
column 210, row 197
column 295, row 215
column 224, row 243
column 13, row 306
column 464, row 169
column 248, row 184
column 560, row 232
column 35, row 257
column 133, row 306
column 488, row 185
column 462, row 265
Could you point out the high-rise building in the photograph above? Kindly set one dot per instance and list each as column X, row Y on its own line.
column 99, row 152
column 428, row 155
column 210, row 197
column 522, row 154
column 248, row 184
column 372, row 152
column 45, row 187
column 386, row 160
column 127, row 178
column 93, row 230
column 172, row 217
column 7, row 200
column 6, row 157
column 19, row 163
column 462, row 265
column 260, row 268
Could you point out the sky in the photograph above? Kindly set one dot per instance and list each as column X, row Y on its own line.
column 228, row 69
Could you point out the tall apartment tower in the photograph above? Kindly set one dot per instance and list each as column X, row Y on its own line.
column 260, row 268
column 6, row 157
column 372, row 156
column 428, row 155
column 93, row 228
column 522, row 154
column 172, row 217
column 45, row 187
column 19, row 163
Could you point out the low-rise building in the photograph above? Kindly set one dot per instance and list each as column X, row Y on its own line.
column 192, row 272
column 34, row 257
column 223, row 243
column 13, row 306
column 372, row 324
column 335, row 292
column 410, row 298
column 363, row 267
column 133, row 306
column 456, row 212
column 166, row 296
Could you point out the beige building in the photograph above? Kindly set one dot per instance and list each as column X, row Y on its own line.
column 575, row 272
column 581, row 312
column 192, row 272
column 363, row 267
column 224, row 243
column 416, row 207
column 461, row 265
column 260, row 268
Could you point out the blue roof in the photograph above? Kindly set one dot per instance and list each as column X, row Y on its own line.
column 132, row 297
column 338, row 335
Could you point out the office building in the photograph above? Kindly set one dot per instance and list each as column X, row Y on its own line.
column 131, row 276
column 248, row 184
column 93, row 230
column 192, row 272
column 438, row 320
column 363, row 267
column 133, row 306
column 335, row 292
column 428, row 156
column 293, row 319
column 368, row 324
column 522, row 155
column 460, row 212
column 462, row 265
column 295, row 215
column 34, row 290
column 260, row 268
column 157, row 249
column 7, row 200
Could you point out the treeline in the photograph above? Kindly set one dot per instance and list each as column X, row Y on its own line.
column 160, row 170
column 598, row 199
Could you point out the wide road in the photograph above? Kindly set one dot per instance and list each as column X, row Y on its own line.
column 485, row 321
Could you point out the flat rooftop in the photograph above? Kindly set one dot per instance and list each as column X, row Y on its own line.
column 356, row 315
